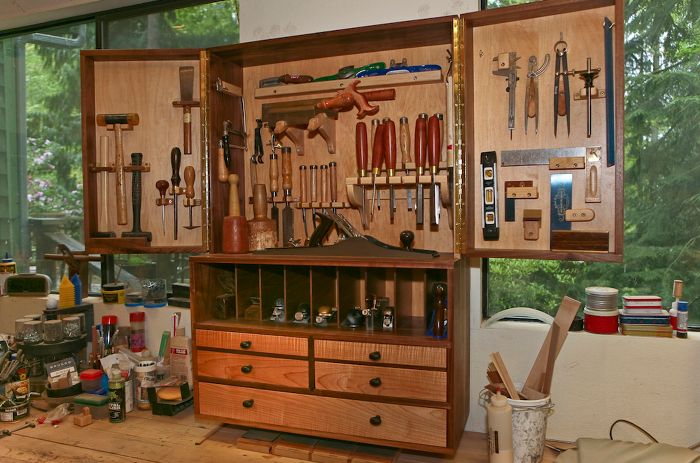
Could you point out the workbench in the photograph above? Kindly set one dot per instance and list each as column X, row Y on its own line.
column 144, row 437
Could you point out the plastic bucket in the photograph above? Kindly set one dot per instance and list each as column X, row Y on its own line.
column 529, row 428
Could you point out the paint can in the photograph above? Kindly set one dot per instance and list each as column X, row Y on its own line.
column 117, row 400
column 600, row 321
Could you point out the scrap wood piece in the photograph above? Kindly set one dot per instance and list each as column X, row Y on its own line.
column 257, row 440
column 505, row 376
column 565, row 315
column 294, row 446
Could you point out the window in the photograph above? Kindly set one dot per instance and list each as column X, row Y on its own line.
column 40, row 129
column 662, row 194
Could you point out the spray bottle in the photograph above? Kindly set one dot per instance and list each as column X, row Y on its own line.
column 500, row 421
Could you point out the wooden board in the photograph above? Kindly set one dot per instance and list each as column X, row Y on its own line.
column 582, row 30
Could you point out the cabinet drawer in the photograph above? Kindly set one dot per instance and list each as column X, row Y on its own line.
column 262, row 343
column 402, row 423
column 253, row 368
column 382, row 381
column 381, row 353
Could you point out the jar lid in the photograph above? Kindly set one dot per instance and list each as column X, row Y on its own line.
column 32, row 323
column 109, row 319
column 90, row 374
column 52, row 322
column 113, row 286
column 71, row 319
column 137, row 316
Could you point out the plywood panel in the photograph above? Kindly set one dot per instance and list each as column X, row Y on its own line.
column 149, row 89
column 583, row 33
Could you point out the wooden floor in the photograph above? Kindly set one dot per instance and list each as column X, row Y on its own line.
column 179, row 439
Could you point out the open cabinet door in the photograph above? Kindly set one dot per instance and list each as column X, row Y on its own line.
column 545, row 161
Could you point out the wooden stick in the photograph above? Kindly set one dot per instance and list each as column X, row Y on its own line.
column 505, row 377
column 551, row 357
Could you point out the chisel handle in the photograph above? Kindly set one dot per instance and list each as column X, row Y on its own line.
column 287, row 170
column 325, row 192
column 302, row 184
column 361, row 148
column 162, row 187
column 333, row 173
column 390, row 146
column 260, row 201
column 274, row 175
column 234, row 207
column 433, row 143
column 119, row 169
column 189, row 182
column 378, row 150
column 104, row 181
column 222, row 170
column 313, row 185
column 405, row 140
column 420, row 142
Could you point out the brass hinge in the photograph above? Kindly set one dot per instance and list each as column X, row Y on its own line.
column 458, row 152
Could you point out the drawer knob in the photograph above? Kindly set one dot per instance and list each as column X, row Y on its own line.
column 246, row 344
column 375, row 382
column 248, row 403
column 376, row 420
column 375, row 355
column 246, row 369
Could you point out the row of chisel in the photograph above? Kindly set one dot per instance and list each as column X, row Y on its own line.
column 428, row 136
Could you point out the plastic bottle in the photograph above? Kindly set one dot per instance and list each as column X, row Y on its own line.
column 682, row 328
column 500, row 422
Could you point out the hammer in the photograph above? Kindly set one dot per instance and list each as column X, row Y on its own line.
column 119, row 122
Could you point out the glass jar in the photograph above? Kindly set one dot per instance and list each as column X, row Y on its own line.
column 154, row 292
column 32, row 332
column 53, row 331
column 137, row 341
column 71, row 327
column 19, row 327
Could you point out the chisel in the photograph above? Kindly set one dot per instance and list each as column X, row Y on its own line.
column 287, row 213
column 361, row 158
column 175, row 157
column 313, row 191
column 274, row 186
column 390, row 153
column 377, row 159
column 333, row 182
column 434, row 142
column 373, row 134
column 405, row 144
column 419, row 147
column 302, row 197
column 325, row 191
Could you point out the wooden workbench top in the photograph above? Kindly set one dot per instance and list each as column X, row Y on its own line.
column 179, row 439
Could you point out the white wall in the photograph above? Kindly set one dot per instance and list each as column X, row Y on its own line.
column 597, row 379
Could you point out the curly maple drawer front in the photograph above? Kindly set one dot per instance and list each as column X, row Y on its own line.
column 381, row 353
column 261, row 343
column 253, row 368
column 401, row 423
column 382, row 381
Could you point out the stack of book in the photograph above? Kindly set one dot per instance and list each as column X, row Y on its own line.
column 644, row 316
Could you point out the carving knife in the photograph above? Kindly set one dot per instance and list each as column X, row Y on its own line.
column 390, row 153
column 405, row 143
column 419, row 146
column 175, row 158
column 361, row 158
column 377, row 159
column 162, row 186
column 434, row 163
column 287, row 213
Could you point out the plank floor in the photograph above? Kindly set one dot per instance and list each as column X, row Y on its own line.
column 144, row 438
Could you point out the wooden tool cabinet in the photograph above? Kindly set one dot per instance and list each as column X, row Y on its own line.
column 396, row 387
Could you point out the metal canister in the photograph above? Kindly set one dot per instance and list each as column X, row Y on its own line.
column 117, row 400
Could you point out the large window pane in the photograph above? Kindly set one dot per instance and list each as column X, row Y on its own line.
column 662, row 193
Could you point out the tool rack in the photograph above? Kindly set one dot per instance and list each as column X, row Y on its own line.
column 308, row 399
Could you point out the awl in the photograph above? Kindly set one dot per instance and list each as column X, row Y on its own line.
column 175, row 158
column 434, row 142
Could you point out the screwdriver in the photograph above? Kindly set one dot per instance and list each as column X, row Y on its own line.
column 175, row 157
column 189, row 193
column 162, row 186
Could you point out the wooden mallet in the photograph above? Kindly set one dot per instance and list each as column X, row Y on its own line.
column 118, row 123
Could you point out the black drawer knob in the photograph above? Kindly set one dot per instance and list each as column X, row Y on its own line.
column 375, row 420
column 375, row 382
column 375, row 355
column 246, row 369
column 246, row 344
column 248, row 403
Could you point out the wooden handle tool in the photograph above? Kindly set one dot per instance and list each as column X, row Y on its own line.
column 390, row 153
column 234, row 207
column 420, row 147
column 189, row 194
column 162, row 187
column 361, row 163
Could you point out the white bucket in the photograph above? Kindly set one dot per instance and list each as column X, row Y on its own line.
column 529, row 428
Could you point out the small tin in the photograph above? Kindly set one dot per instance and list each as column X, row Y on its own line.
column 600, row 321
column 113, row 293
column 15, row 412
